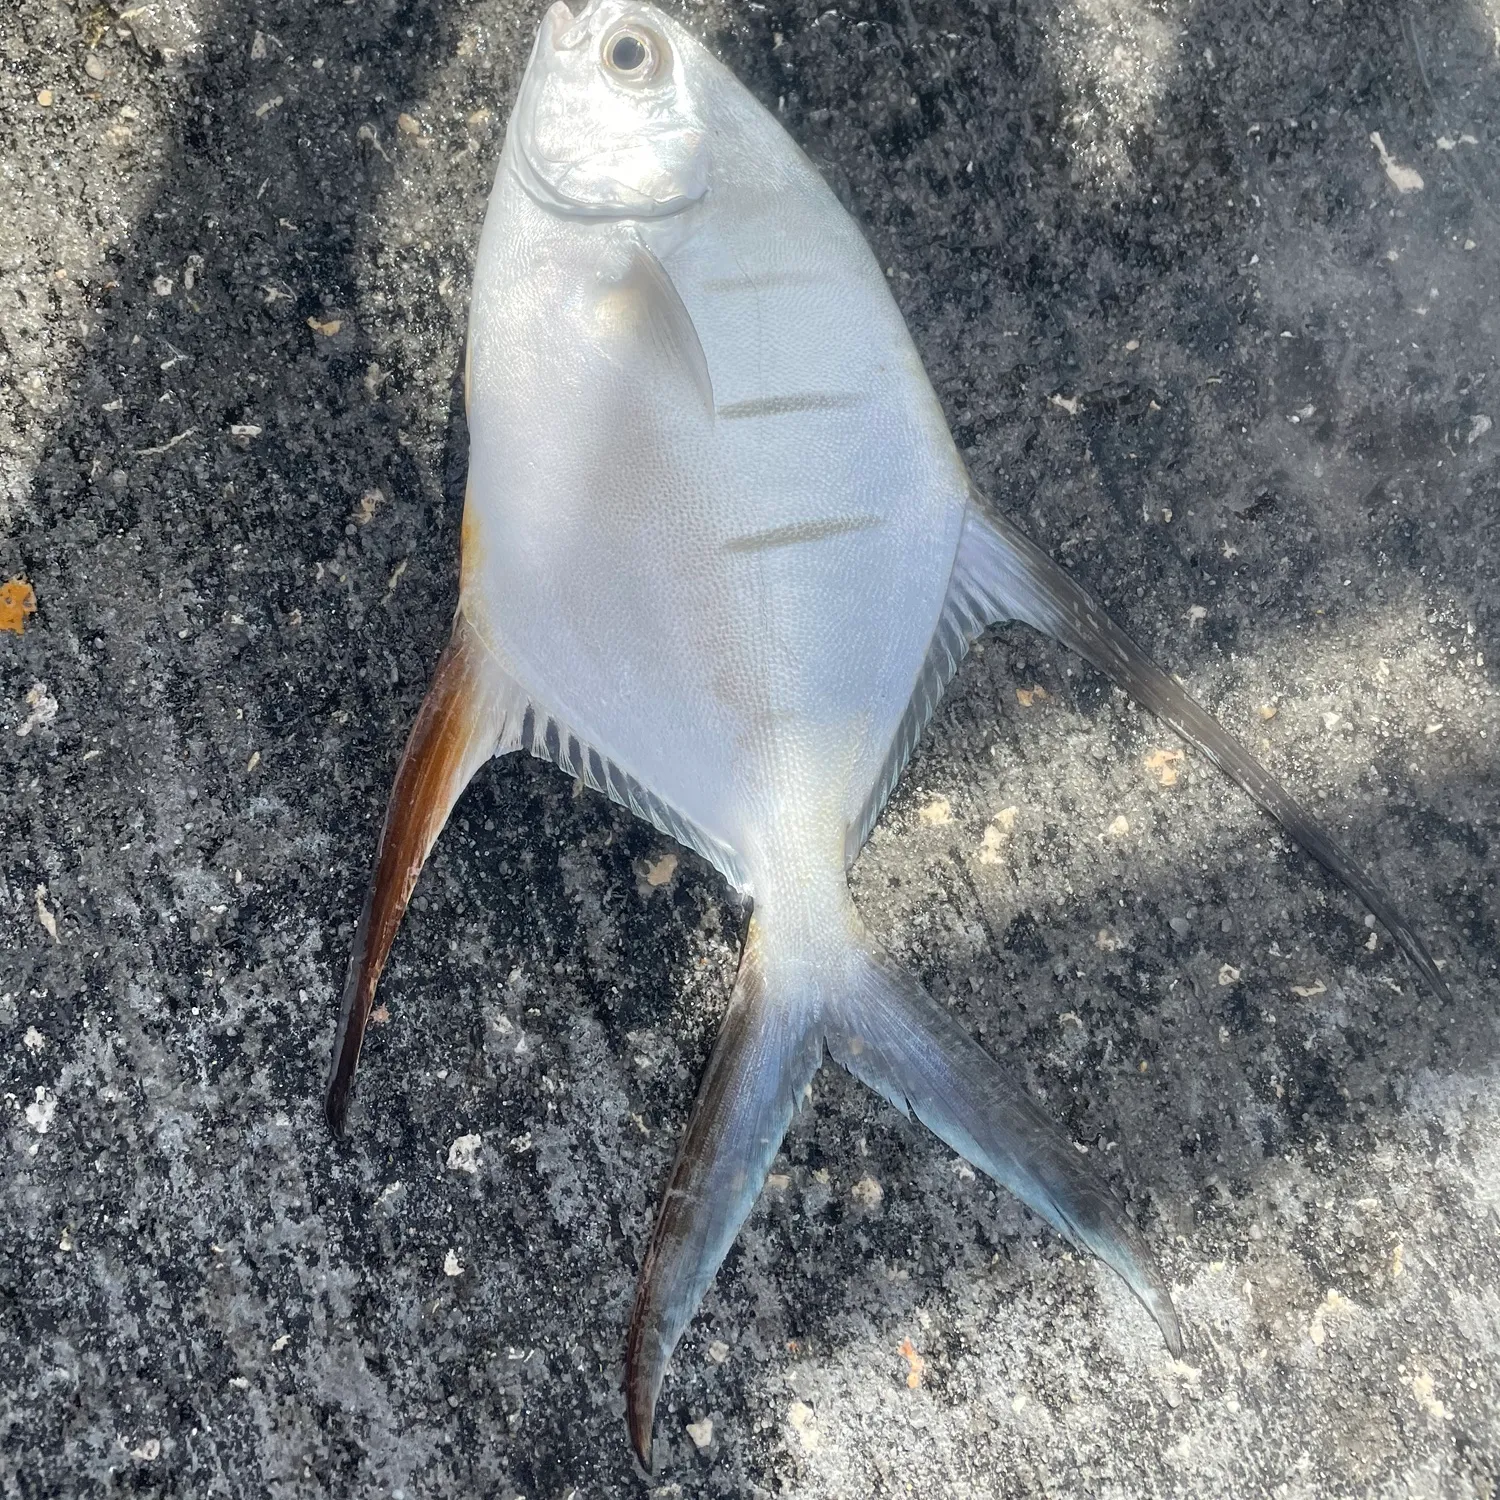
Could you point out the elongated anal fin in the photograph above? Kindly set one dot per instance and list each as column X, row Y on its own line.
column 888, row 1032
column 1001, row 574
column 766, row 1054
column 470, row 713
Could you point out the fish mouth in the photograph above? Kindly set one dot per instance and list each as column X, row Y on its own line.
column 562, row 30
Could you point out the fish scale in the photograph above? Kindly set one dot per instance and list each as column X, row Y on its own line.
column 720, row 560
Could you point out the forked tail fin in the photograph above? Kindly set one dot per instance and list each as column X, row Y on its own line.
column 889, row 1033
column 892, row 1035
column 469, row 714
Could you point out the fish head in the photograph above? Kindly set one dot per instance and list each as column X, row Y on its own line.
column 606, row 125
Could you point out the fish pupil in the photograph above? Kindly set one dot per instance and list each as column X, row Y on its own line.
column 627, row 53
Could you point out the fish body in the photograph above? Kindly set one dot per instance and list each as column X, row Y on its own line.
column 742, row 451
column 720, row 558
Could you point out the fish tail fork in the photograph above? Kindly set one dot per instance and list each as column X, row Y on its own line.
column 467, row 716
column 883, row 1027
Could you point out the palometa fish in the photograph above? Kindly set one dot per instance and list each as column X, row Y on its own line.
column 720, row 558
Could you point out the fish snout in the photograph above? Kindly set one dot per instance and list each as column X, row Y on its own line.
column 561, row 29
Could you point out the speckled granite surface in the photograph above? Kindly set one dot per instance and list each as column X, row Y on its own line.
column 234, row 248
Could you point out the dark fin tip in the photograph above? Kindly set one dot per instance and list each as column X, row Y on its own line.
column 641, row 1423
column 1015, row 579
column 336, row 1109
column 456, row 730
column 1171, row 1328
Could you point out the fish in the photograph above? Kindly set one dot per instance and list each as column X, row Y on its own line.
column 720, row 558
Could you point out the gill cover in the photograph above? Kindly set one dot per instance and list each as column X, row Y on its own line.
column 606, row 125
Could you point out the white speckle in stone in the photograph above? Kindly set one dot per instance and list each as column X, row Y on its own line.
column 46, row 917
column 43, row 708
column 802, row 1420
column 1403, row 179
column 937, row 813
column 39, row 1115
column 1423, row 1388
column 463, row 1154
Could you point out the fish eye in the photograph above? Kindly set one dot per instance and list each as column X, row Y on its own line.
column 634, row 55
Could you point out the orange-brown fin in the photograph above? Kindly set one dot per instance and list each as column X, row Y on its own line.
column 472, row 711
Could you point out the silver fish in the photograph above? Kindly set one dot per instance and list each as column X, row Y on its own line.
column 720, row 559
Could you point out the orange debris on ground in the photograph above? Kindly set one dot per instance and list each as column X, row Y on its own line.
column 1167, row 764
column 17, row 600
column 915, row 1361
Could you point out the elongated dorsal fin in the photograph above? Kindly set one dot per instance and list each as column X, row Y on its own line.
column 473, row 709
column 1001, row 574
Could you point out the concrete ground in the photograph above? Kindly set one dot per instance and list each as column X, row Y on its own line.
column 1234, row 360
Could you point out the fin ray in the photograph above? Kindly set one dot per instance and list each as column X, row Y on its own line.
column 962, row 620
column 550, row 739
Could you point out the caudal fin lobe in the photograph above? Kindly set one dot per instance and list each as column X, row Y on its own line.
column 887, row 1031
column 767, row 1052
column 462, row 722
column 891, row 1035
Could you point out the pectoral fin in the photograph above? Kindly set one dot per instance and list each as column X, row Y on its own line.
column 766, row 1054
column 642, row 302
column 1001, row 574
column 472, row 711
